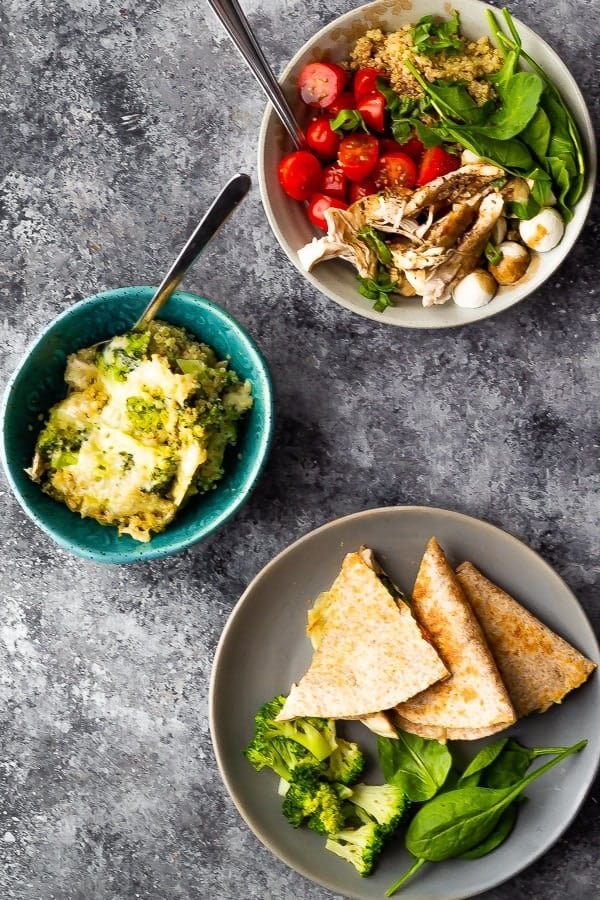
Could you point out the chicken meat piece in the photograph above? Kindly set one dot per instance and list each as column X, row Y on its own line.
column 341, row 241
column 462, row 184
column 437, row 285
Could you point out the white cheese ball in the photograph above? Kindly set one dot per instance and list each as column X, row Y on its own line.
column 513, row 265
column 475, row 289
column 499, row 231
column 544, row 231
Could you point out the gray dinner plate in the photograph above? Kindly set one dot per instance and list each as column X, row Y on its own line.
column 264, row 648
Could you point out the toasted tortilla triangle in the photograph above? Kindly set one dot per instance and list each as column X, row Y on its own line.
column 538, row 667
column 370, row 653
column 474, row 701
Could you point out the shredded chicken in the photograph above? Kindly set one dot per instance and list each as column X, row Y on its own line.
column 437, row 232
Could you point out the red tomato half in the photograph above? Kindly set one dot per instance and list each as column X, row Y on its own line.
column 359, row 189
column 358, row 154
column 321, row 139
column 435, row 162
column 321, row 83
column 333, row 182
column 300, row 174
column 344, row 101
column 389, row 145
column 365, row 82
column 372, row 108
column 395, row 170
column 317, row 206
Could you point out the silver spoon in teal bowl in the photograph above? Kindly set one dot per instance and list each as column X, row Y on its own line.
column 222, row 206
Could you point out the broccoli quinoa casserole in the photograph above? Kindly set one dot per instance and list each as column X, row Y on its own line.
column 144, row 426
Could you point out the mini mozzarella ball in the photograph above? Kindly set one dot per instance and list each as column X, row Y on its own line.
column 475, row 289
column 499, row 231
column 544, row 231
column 468, row 158
column 513, row 265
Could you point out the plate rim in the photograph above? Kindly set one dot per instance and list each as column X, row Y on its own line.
column 339, row 522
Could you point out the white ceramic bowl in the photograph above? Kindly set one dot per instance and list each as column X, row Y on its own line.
column 337, row 279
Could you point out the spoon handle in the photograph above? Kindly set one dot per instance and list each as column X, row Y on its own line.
column 237, row 26
column 223, row 205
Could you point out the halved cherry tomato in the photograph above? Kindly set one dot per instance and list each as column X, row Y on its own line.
column 300, row 174
column 435, row 162
column 395, row 170
column 333, row 182
column 365, row 82
column 413, row 147
column 344, row 101
column 321, row 139
column 358, row 154
column 317, row 206
column 320, row 83
column 372, row 108
column 359, row 189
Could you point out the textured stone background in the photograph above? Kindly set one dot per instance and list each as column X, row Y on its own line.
column 109, row 786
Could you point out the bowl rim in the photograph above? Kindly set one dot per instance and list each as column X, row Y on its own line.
column 142, row 552
column 461, row 317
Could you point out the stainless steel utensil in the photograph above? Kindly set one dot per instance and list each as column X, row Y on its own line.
column 236, row 24
column 222, row 207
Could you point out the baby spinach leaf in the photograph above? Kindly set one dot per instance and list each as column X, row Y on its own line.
column 418, row 765
column 520, row 97
column 512, row 155
column 481, row 761
column 537, row 133
column 452, row 823
column 503, row 828
column 512, row 763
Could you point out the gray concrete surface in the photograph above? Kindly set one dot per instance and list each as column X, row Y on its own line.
column 109, row 788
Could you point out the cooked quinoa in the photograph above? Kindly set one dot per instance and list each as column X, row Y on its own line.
column 378, row 50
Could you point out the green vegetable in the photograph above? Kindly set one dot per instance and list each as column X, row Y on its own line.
column 312, row 801
column 123, row 354
column 348, row 120
column 371, row 237
column 512, row 763
column 454, row 823
column 378, row 289
column 430, row 37
column 386, row 804
column 417, row 765
column 345, row 763
column 486, row 756
column 316, row 736
column 359, row 846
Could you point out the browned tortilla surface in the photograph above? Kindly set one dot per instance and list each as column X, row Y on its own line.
column 474, row 701
column 371, row 653
column 538, row 667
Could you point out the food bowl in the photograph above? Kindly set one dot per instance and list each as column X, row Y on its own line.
column 38, row 383
column 336, row 279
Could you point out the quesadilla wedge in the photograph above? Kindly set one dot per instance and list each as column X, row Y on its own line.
column 538, row 667
column 474, row 701
column 370, row 652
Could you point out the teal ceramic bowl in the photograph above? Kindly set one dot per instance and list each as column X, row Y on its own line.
column 38, row 383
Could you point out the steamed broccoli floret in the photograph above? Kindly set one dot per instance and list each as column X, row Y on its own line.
column 280, row 755
column 316, row 802
column 360, row 846
column 386, row 804
column 346, row 762
column 314, row 734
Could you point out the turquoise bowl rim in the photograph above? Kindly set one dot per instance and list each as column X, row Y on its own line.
column 181, row 305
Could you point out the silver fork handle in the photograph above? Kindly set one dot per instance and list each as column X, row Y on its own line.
column 230, row 14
